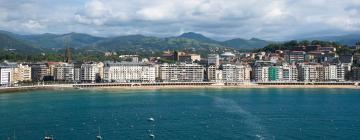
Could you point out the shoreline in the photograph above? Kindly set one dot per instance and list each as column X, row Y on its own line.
column 232, row 87
column 159, row 87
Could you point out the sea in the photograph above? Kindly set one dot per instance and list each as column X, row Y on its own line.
column 182, row 114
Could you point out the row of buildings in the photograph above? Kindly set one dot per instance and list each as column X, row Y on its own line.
column 178, row 72
column 311, row 63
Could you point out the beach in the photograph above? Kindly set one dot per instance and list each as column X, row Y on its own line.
column 140, row 87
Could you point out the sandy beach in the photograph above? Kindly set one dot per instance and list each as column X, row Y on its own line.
column 224, row 87
column 54, row 87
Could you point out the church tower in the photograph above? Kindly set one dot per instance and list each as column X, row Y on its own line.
column 67, row 58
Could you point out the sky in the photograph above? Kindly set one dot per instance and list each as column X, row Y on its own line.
column 218, row 19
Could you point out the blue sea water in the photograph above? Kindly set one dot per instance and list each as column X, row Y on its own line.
column 186, row 114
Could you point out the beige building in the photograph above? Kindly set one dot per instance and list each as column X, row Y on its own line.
column 181, row 72
column 21, row 73
column 236, row 73
column 214, row 74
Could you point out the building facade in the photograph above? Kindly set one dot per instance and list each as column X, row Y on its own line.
column 214, row 74
column 64, row 72
column 91, row 72
column 128, row 72
column 39, row 71
column 5, row 76
column 236, row 73
column 261, row 73
column 214, row 59
column 181, row 72
column 21, row 73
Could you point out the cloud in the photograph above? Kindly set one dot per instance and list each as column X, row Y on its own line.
column 221, row 19
column 33, row 25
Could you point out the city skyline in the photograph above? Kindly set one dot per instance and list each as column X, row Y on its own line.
column 270, row 20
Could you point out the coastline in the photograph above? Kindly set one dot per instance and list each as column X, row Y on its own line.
column 158, row 87
column 234, row 87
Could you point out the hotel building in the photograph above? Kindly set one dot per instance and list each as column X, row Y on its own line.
column 181, row 72
column 128, row 72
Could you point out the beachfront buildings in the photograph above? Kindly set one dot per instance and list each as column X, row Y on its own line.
column 128, row 72
column 355, row 74
column 261, row 73
column 236, row 73
column 181, row 72
column 5, row 75
column 289, row 72
column 309, row 72
column 214, row 74
column 20, row 73
column 64, row 72
column 39, row 71
column 90, row 72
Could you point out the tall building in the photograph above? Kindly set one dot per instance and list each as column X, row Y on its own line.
column 341, row 72
column 181, row 72
column 67, row 58
column 331, row 73
column 275, row 73
column 309, row 72
column 128, row 72
column 21, row 73
column 39, row 71
column 295, row 56
column 5, row 75
column 290, row 72
column 91, row 72
column 261, row 73
column 235, row 73
column 355, row 74
column 214, row 59
column 214, row 74
column 64, row 72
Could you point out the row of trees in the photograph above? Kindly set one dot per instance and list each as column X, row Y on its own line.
column 290, row 45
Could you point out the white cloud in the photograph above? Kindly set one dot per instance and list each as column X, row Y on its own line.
column 33, row 25
column 269, row 19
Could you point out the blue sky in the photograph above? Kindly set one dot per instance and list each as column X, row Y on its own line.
column 219, row 19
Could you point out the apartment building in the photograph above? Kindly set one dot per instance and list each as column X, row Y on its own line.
column 64, row 72
column 181, row 72
column 5, row 75
column 128, row 72
column 236, row 73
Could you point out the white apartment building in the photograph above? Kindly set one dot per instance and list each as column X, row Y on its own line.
column 236, row 73
column 261, row 73
column 214, row 74
column 5, row 76
column 64, row 72
column 90, row 72
column 128, row 72
column 308, row 73
column 181, row 72
column 289, row 72
column 341, row 71
column 331, row 73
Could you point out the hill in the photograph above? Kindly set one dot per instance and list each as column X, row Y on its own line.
column 349, row 39
column 11, row 44
column 240, row 43
column 150, row 45
column 197, row 37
